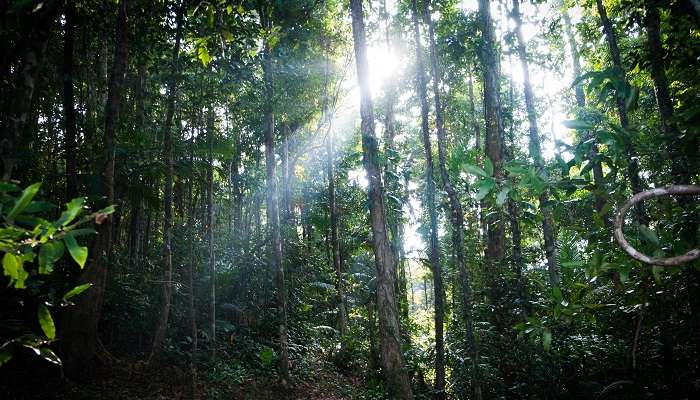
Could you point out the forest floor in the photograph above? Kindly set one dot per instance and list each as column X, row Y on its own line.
column 133, row 381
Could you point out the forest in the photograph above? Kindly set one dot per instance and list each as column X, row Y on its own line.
column 350, row 199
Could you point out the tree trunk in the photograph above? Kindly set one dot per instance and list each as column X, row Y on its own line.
column 614, row 51
column 652, row 24
column 190, row 288
column 536, row 152
column 391, row 357
column 433, row 251
column 455, row 208
column 477, row 144
column 162, row 325
column 69, row 103
column 393, row 186
column 80, row 325
column 210, row 230
column 599, row 192
column 273, row 217
column 18, row 100
column 333, row 210
column 494, row 128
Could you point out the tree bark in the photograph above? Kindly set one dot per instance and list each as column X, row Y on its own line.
column 535, row 150
column 163, row 316
column 80, row 325
column 433, row 250
column 273, row 217
column 494, row 128
column 391, row 357
column 455, row 208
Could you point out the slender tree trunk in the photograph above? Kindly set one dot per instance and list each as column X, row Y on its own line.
column 80, row 325
column 391, row 357
column 32, row 50
column 273, row 218
column 69, row 103
column 455, row 208
column 190, row 278
column 652, row 24
column 476, row 126
column 494, row 128
column 536, row 152
column 433, row 251
column 393, row 186
column 163, row 316
column 599, row 192
column 333, row 209
column 614, row 51
column 210, row 230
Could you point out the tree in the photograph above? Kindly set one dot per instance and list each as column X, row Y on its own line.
column 391, row 358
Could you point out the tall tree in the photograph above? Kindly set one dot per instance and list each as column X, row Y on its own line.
column 614, row 51
column 392, row 360
column 80, row 324
column 69, row 103
column 455, row 207
column 433, row 250
column 273, row 217
column 332, row 206
column 210, row 228
column 163, row 315
column 493, row 144
column 535, row 150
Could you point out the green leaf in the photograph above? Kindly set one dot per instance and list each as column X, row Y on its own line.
column 6, row 352
column 488, row 166
column 266, row 356
column 13, row 267
column 48, row 355
column 484, row 188
column 46, row 321
column 577, row 124
column 79, row 253
column 546, row 339
column 648, row 235
column 48, row 255
column 632, row 97
column 24, row 200
column 8, row 187
column 73, row 208
column 502, row 196
column 474, row 170
column 76, row 290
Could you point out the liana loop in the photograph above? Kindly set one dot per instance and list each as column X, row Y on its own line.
column 671, row 190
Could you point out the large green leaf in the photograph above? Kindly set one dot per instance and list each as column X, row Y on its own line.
column 546, row 339
column 48, row 255
column 484, row 188
column 79, row 253
column 474, row 170
column 73, row 208
column 13, row 267
column 24, row 200
column 502, row 196
column 76, row 291
column 46, row 321
column 577, row 124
